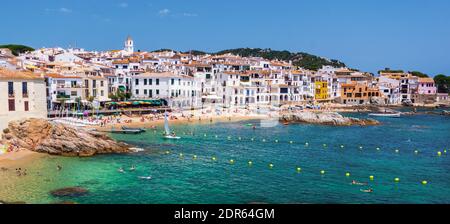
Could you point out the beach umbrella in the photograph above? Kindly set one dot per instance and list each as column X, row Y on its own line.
column 135, row 103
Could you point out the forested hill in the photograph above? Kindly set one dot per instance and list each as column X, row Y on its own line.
column 301, row 59
column 17, row 49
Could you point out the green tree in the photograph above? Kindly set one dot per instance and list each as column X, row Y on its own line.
column 442, row 83
column 419, row 74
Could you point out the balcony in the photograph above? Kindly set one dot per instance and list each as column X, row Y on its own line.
column 62, row 96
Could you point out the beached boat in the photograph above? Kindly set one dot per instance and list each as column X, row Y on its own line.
column 136, row 129
column 167, row 133
column 385, row 114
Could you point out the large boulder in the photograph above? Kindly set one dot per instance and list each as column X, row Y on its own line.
column 42, row 136
column 326, row 118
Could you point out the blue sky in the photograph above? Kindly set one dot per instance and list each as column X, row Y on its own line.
column 366, row 34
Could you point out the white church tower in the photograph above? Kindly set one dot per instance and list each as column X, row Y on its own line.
column 129, row 45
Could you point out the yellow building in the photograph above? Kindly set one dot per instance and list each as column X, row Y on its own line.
column 321, row 90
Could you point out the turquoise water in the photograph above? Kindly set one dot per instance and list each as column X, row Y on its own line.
column 183, row 179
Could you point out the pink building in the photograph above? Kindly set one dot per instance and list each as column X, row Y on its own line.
column 426, row 86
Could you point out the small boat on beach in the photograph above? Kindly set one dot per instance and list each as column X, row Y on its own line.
column 167, row 133
column 395, row 115
column 135, row 129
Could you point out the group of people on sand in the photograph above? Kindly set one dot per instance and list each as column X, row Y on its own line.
column 20, row 172
column 368, row 190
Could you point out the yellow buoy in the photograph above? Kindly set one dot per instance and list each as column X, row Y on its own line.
column 445, row 151
column 231, row 161
column 250, row 163
column 424, row 182
column 181, row 154
column 342, row 146
column 347, row 174
column 239, row 138
column 360, row 147
column 397, row 179
column 214, row 158
column 324, row 145
column 167, row 152
column 439, row 153
column 397, row 151
column 194, row 157
column 371, row 177
column 264, row 140
column 416, row 152
column 299, row 169
column 378, row 148
column 291, row 142
column 276, row 141
column 253, row 139
column 322, row 172
column 271, row 166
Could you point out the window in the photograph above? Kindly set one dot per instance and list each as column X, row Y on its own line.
column 157, row 82
column 137, row 91
column 145, row 82
column 172, row 82
column 10, row 89
column 25, row 89
column 101, row 83
column 145, row 91
column 157, row 92
column 102, row 93
column 12, row 105
column 26, row 106
column 73, row 93
column 151, row 81
column 137, row 82
column 151, row 94
column 94, row 83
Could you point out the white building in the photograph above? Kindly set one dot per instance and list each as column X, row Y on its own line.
column 179, row 91
column 22, row 95
column 129, row 45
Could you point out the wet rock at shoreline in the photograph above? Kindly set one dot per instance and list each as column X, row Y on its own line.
column 326, row 118
column 42, row 136
column 69, row 192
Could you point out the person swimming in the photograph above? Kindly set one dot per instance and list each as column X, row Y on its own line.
column 121, row 170
column 354, row 182
column 133, row 168
column 370, row 190
column 145, row 178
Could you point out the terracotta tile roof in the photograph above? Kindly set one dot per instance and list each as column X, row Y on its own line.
column 6, row 74
column 426, row 80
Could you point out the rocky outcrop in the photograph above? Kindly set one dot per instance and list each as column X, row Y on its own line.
column 42, row 136
column 326, row 118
